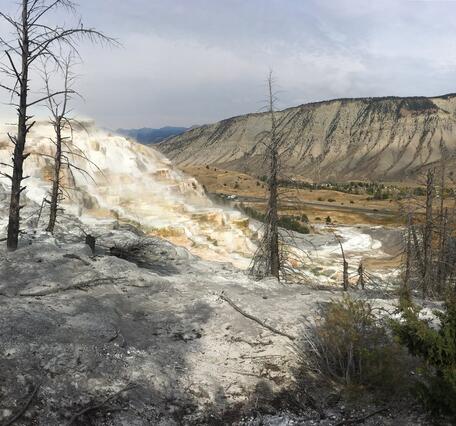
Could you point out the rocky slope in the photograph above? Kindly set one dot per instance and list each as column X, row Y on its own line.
column 145, row 338
column 144, row 315
column 368, row 138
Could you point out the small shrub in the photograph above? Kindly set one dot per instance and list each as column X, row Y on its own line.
column 352, row 202
column 349, row 347
column 207, row 167
column 331, row 200
column 320, row 199
column 304, row 218
column 292, row 224
column 236, row 185
column 328, row 220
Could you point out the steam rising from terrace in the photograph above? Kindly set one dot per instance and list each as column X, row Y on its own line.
column 135, row 184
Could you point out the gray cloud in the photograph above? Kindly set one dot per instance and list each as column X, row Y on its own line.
column 187, row 62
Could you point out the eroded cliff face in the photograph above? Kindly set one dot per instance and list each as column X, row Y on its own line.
column 370, row 138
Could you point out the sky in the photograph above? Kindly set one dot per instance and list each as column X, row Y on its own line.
column 190, row 62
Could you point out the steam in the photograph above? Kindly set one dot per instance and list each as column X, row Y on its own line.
column 133, row 183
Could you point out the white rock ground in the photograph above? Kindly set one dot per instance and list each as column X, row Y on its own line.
column 84, row 326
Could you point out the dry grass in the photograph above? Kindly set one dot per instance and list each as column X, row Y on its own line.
column 343, row 208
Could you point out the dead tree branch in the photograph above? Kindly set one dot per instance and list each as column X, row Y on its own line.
column 100, row 405
column 25, row 407
column 255, row 319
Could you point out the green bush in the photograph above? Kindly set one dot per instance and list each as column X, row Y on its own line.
column 304, row 218
column 290, row 223
column 436, row 346
column 349, row 347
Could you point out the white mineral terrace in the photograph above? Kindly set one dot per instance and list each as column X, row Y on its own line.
column 133, row 183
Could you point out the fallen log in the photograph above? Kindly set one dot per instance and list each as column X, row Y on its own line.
column 255, row 319
column 22, row 411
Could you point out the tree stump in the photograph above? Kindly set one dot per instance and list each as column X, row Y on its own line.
column 90, row 241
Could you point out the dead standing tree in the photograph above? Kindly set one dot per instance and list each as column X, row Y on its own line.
column 427, row 234
column 430, row 245
column 66, row 151
column 60, row 122
column 33, row 39
column 266, row 261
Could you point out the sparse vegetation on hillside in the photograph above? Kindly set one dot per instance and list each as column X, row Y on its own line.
column 291, row 223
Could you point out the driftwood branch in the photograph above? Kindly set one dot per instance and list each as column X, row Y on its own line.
column 100, row 405
column 22, row 411
column 361, row 419
column 76, row 286
column 255, row 319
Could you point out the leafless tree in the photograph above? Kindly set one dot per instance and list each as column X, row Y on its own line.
column 60, row 122
column 430, row 245
column 266, row 261
column 33, row 39
column 345, row 281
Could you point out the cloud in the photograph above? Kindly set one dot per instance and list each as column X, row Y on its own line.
column 187, row 62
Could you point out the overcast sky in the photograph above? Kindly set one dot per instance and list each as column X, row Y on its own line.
column 185, row 62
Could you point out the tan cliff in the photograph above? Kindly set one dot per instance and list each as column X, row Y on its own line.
column 387, row 138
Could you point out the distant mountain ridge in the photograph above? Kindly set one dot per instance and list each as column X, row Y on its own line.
column 387, row 138
column 149, row 136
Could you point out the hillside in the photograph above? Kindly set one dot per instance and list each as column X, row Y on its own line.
column 387, row 138
column 150, row 136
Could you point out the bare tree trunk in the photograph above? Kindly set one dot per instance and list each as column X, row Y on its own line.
column 267, row 259
column 345, row 267
column 441, row 271
column 443, row 266
column 56, row 178
column 18, row 156
column 361, row 275
column 427, row 234
column 273, row 216
column 408, row 256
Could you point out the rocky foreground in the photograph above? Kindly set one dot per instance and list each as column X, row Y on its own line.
column 137, row 333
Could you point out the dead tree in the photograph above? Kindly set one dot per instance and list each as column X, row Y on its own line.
column 443, row 227
column 345, row 281
column 430, row 246
column 34, row 39
column 361, row 281
column 427, row 233
column 59, row 120
column 266, row 261
column 408, row 257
